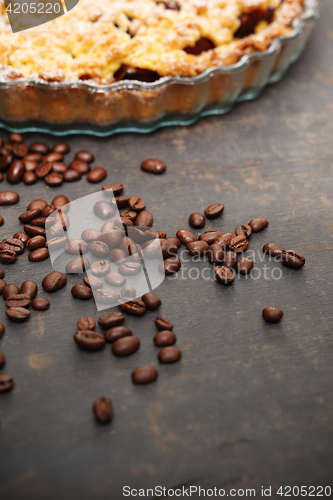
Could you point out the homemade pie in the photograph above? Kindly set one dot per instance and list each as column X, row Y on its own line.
column 110, row 40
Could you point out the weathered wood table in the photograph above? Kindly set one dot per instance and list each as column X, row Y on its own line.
column 250, row 404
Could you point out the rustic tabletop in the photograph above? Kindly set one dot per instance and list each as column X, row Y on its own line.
column 250, row 404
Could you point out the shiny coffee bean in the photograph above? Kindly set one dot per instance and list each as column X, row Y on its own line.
column 19, row 300
column 144, row 219
column 169, row 354
column 224, row 275
column 15, row 138
column 117, row 189
column 80, row 166
column 2, row 221
column 130, row 268
column 59, row 202
column 115, row 279
column 71, row 175
column 229, row 259
column 137, row 204
column 125, row 346
column 103, row 410
column 197, row 247
column 2, row 274
column 76, row 247
column 169, row 248
column 151, row 300
column 87, row 323
column 85, row 156
column 164, row 338
column 214, row 210
column 273, row 249
column 7, row 257
column 30, row 215
column 41, row 204
column 2, row 330
column 8, row 198
column 210, row 236
column 36, row 242
column 258, row 224
column 2, row 360
column 100, row 268
column 135, row 307
column 2, row 285
column 170, row 265
column 81, row 292
column 109, row 297
column 89, row 340
column 39, row 254
column 238, row 244
column 77, row 266
column 117, row 332
column 43, row 169
column 186, row 236
column 163, row 323
column 62, row 148
column 40, row 222
column 244, row 230
column 30, row 178
column 97, row 174
column 22, row 236
column 122, row 222
column 10, row 290
column 56, row 243
column 59, row 167
column 196, row 220
column 40, row 304
column 13, row 245
column 103, row 210
column 19, row 150
column 122, row 201
column 90, row 235
column 144, row 374
column 15, row 172
column 54, row 281
column 18, row 314
column 215, row 253
column 128, row 291
column 54, row 179
column 34, row 230
column 108, row 227
column 39, row 147
column 53, row 157
column 293, row 259
column 110, row 320
column 6, row 383
column 29, row 288
column 153, row 166
column 244, row 265
column 272, row 314
column 93, row 282
column 225, row 240
column 117, row 256
column 99, row 249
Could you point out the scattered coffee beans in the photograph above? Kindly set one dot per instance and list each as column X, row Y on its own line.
column 293, row 259
column 151, row 300
column 144, row 374
column 110, row 320
column 163, row 323
column 54, row 281
column 244, row 265
column 125, row 346
column 258, row 224
column 117, row 332
column 196, row 220
column 273, row 249
column 214, row 210
column 89, row 340
column 153, row 166
column 40, row 304
column 164, row 338
column 87, row 323
column 224, row 275
column 169, row 354
column 82, row 292
column 134, row 307
column 18, row 314
column 272, row 314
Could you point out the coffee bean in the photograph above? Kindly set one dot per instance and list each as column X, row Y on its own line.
column 10, row 290
column 19, row 150
column 41, row 204
column 84, row 156
column 30, row 178
column 30, row 166
column 2, row 274
column 1, row 176
column 6, row 159
column 34, row 230
column 292, row 259
column 21, row 236
column 43, row 169
column 215, row 253
column 77, row 266
column 106, row 296
column 2, row 360
column 116, row 188
column 76, row 247
column 89, row 340
column 93, row 282
column 196, row 220
column 115, row 279
column 40, row 304
column 2, row 330
column 170, row 265
column 100, row 268
column 144, row 219
column 137, row 204
column 229, row 259
column 56, row 243
column 103, row 410
column 97, row 174
column 18, row 314
column 128, row 291
column 13, row 245
column 2, row 221
column 8, row 198
column 39, row 254
column 62, row 148
column 16, row 138
column 151, row 300
column 15, row 172
column 169, row 249
column 118, row 256
column 59, row 168
column 6, row 383
column 258, row 224
column 122, row 201
column 244, row 265
column 54, row 179
column 19, row 300
column 30, row 215
column 130, row 268
column 120, row 222
column 99, row 249
column 39, row 147
column 90, row 235
column 40, row 222
column 108, row 227
column 135, row 307
column 210, row 236
column 87, row 323
column 125, row 346
column 224, row 275
column 272, row 314
column 273, row 249
column 7, row 257
column 238, row 244
column 224, row 240
column 186, row 236
column 81, row 292
column 169, row 354
column 54, row 281
column 214, row 210
column 153, row 166
column 59, row 202
column 197, row 247
column 2, row 286
column 128, row 214
column 117, row 332
column 71, row 175
column 110, row 320
column 36, row 157
column 144, row 374
column 163, row 323
column 53, row 157
column 164, row 338
column 103, row 210
column 244, row 230
column 80, row 166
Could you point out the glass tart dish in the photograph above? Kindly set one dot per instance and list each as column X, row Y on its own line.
column 136, row 65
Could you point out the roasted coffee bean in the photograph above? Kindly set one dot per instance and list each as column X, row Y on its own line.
column 244, row 230
column 103, row 410
column 137, row 204
column 272, row 314
column 10, row 290
column 19, row 300
column 2, row 360
column 97, row 174
column 224, row 275
column 13, row 245
column 130, row 268
column 108, row 227
column 59, row 168
column 77, row 266
column 8, row 198
column 115, row 279
column 1, row 176
column 163, row 323
column 229, row 259
column 89, row 340
column 30, row 215
column 54, row 281
column 186, row 236
column 293, row 259
column 215, row 253
column 39, row 147
column 36, row 157
column 80, row 166
column 87, row 323
column 238, row 244
column 20, row 150
column 210, row 236
column 7, row 257
column 54, row 179
column 117, row 189
column 40, row 304
column 122, row 201
column 2, row 285
column 100, row 267
column 117, row 332
column 40, row 222
column 197, row 247
column 93, row 281
column 2, row 274
column 106, row 296
column 110, row 320
column 30, row 165
column 153, row 166
column 43, row 169
column 129, row 214
column 59, row 202
column 169, row 247
column 62, row 148
column 39, row 254
column 118, row 256
column 244, row 265
column 15, row 172
column 197, row 220
column 169, row 354
column 151, row 300
column 125, row 346
column 29, row 288
column 120, row 222
column 22, row 236
column 53, row 157
column 144, row 218
column 225, row 240
column 34, row 230
column 99, row 249
column 2, row 330
column 71, row 175
column 135, row 307
column 128, row 291
column 56, row 243
column 18, row 314
column 258, row 224
column 76, row 247
column 273, row 249
column 29, row 176
column 16, row 138
column 41, row 204
column 81, row 292
column 214, row 210
column 90, row 235
column 6, row 159
column 164, row 338
column 84, row 156
column 170, row 265
column 6, row 383
column 144, row 374
column 103, row 210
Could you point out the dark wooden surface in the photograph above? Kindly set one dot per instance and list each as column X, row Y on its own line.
column 249, row 404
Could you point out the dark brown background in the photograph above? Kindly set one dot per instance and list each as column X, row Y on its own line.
column 250, row 404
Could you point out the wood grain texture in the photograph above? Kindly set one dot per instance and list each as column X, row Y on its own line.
column 250, row 404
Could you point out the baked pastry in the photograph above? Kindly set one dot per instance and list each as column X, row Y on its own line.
column 112, row 40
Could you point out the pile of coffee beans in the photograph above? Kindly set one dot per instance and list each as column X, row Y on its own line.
column 39, row 162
